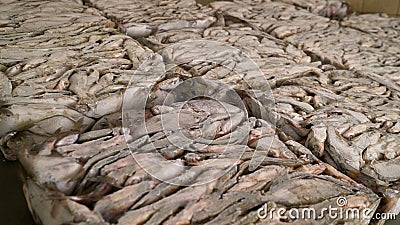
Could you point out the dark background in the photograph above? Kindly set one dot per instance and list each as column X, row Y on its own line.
column 13, row 208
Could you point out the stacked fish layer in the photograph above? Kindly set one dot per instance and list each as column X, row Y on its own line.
column 345, row 110
column 172, row 112
column 61, row 73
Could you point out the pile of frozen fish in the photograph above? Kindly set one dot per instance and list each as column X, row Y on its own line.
column 170, row 112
